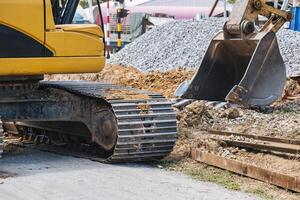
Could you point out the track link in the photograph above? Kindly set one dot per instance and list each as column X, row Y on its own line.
column 147, row 128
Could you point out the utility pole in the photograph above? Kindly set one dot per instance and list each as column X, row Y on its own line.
column 107, row 30
column 120, row 7
column 121, row 13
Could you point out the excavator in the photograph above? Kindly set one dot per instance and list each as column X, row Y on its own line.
column 242, row 65
column 108, row 122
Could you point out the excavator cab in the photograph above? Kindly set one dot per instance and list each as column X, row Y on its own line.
column 243, row 63
column 42, row 38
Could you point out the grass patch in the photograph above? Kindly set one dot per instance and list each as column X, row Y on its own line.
column 204, row 173
column 221, row 177
column 260, row 192
column 231, row 181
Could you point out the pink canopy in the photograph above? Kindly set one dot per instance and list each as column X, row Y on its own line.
column 179, row 12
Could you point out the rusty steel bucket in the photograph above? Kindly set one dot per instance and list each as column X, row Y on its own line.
column 244, row 71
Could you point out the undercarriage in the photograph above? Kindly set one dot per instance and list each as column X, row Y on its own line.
column 104, row 121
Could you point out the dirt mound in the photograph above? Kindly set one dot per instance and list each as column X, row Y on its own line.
column 165, row 83
column 194, row 115
column 162, row 82
column 110, row 73
column 280, row 121
column 292, row 87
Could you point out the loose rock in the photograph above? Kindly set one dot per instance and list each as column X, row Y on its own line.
column 184, row 43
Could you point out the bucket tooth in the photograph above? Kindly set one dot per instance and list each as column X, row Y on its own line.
column 265, row 76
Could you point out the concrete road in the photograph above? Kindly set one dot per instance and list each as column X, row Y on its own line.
column 44, row 176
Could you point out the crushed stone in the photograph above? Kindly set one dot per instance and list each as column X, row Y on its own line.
column 184, row 43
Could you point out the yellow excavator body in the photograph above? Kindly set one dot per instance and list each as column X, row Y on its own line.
column 101, row 121
column 32, row 44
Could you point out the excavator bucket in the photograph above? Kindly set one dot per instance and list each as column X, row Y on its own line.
column 249, row 72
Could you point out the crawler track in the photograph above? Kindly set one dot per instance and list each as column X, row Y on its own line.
column 144, row 133
column 146, row 125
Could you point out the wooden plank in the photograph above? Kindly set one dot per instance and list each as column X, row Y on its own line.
column 271, row 177
column 270, row 146
column 265, row 138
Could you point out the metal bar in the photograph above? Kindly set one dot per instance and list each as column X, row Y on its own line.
column 270, row 146
column 146, row 103
column 149, row 129
column 155, row 141
column 162, row 99
column 69, row 12
column 285, row 4
column 213, row 8
column 107, row 31
column 271, row 177
column 148, row 135
column 119, row 29
column 147, row 148
column 61, row 130
column 265, row 138
column 36, row 110
column 139, row 110
column 142, row 153
column 146, row 122
column 139, row 116
column 142, row 157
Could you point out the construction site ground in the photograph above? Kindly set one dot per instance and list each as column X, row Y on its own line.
column 35, row 175
column 282, row 119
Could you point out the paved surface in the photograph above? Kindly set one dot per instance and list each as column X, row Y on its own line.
column 38, row 175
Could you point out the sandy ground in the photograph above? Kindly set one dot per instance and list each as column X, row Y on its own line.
column 197, row 118
column 165, row 83
column 39, row 175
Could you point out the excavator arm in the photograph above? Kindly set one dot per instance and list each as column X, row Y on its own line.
column 243, row 63
column 245, row 13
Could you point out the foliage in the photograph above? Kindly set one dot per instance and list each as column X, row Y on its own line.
column 261, row 193
column 231, row 1
column 222, row 177
column 85, row 4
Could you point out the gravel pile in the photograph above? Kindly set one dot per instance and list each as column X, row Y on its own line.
column 289, row 43
column 176, row 44
column 183, row 44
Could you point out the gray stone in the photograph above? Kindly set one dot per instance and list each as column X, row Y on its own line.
column 183, row 44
